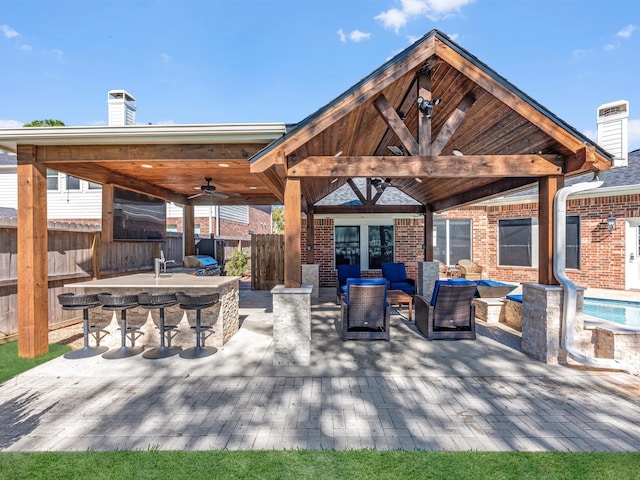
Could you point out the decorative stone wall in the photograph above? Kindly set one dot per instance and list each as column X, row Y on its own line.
column 291, row 325
column 310, row 276
column 428, row 273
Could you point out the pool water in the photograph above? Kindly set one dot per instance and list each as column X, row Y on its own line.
column 619, row 311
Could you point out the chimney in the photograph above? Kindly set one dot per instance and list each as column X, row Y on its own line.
column 122, row 108
column 613, row 131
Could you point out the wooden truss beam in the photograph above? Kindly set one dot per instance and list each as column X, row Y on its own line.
column 443, row 166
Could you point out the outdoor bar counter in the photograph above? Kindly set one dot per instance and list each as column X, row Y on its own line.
column 224, row 315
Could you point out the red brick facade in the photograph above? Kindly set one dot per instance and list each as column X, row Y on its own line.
column 602, row 252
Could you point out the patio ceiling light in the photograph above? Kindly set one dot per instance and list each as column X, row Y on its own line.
column 426, row 106
column 458, row 153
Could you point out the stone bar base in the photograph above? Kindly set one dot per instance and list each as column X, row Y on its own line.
column 311, row 276
column 291, row 325
column 428, row 273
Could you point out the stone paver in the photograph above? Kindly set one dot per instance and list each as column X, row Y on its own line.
column 404, row 394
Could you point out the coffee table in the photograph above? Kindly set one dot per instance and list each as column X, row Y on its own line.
column 398, row 297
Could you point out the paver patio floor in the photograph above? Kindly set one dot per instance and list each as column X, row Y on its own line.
column 408, row 393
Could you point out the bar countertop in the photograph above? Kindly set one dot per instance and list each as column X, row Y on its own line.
column 166, row 280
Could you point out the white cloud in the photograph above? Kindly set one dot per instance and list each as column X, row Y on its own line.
column 8, row 31
column 357, row 36
column 434, row 9
column 165, row 57
column 626, row 31
column 609, row 46
column 393, row 18
column 26, row 47
column 354, row 36
column 10, row 124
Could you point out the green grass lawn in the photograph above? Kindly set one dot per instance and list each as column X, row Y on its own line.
column 12, row 365
column 352, row 465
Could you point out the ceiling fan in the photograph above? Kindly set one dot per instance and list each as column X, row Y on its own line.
column 209, row 189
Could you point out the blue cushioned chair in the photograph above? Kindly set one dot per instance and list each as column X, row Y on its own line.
column 345, row 272
column 364, row 313
column 450, row 314
column 396, row 276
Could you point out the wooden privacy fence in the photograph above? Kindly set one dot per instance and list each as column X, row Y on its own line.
column 267, row 261
column 75, row 253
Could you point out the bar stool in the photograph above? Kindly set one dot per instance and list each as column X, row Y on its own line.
column 69, row 301
column 197, row 303
column 160, row 302
column 121, row 303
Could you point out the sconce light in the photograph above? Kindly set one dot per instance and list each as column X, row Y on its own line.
column 611, row 222
column 426, row 106
column 309, row 248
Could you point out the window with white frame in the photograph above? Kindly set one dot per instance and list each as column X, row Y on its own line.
column 518, row 242
column 452, row 240
column 379, row 241
column 72, row 183
column 52, row 179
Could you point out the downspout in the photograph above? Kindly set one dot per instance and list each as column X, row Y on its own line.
column 568, row 321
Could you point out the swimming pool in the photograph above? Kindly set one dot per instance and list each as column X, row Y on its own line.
column 619, row 311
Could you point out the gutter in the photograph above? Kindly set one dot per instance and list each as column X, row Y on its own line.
column 568, row 320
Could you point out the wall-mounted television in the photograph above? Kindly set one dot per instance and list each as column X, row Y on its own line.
column 138, row 217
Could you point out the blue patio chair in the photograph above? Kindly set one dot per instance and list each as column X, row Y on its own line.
column 396, row 276
column 364, row 313
column 345, row 272
column 450, row 314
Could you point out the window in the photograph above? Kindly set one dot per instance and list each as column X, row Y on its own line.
column 52, row 179
column 172, row 227
column 347, row 245
column 73, row 183
column 380, row 245
column 94, row 186
column 451, row 240
column 378, row 239
column 515, row 240
column 518, row 242
column 196, row 229
column 573, row 242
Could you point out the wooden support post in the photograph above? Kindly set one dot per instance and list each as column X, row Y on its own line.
column 107, row 213
column 310, row 238
column 428, row 236
column 292, row 228
column 548, row 186
column 188, row 230
column 33, row 285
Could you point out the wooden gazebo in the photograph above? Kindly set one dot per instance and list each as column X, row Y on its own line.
column 472, row 136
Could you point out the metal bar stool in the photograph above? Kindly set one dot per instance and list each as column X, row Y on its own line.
column 198, row 303
column 83, row 302
column 160, row 301
column 121, row 303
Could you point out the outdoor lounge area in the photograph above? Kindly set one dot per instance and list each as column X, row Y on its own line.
column 408, row 393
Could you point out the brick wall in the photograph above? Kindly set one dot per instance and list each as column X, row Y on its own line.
column 602, row 252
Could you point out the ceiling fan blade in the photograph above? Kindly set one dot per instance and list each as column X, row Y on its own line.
column 194, row 196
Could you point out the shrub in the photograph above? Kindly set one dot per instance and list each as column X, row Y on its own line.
column 237, row 264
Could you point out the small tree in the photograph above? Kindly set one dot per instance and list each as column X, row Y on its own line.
column 237, row 264
column 277, row 219
column 49, row 122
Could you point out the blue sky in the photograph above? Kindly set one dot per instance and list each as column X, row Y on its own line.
column 210, row 61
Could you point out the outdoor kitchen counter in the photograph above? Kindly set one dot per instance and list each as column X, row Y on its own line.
column 226, row 310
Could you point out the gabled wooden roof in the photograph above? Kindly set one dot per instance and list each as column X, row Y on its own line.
column 507, row 139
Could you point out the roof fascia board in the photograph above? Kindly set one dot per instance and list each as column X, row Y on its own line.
column 595, row 193
column 141, row 134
